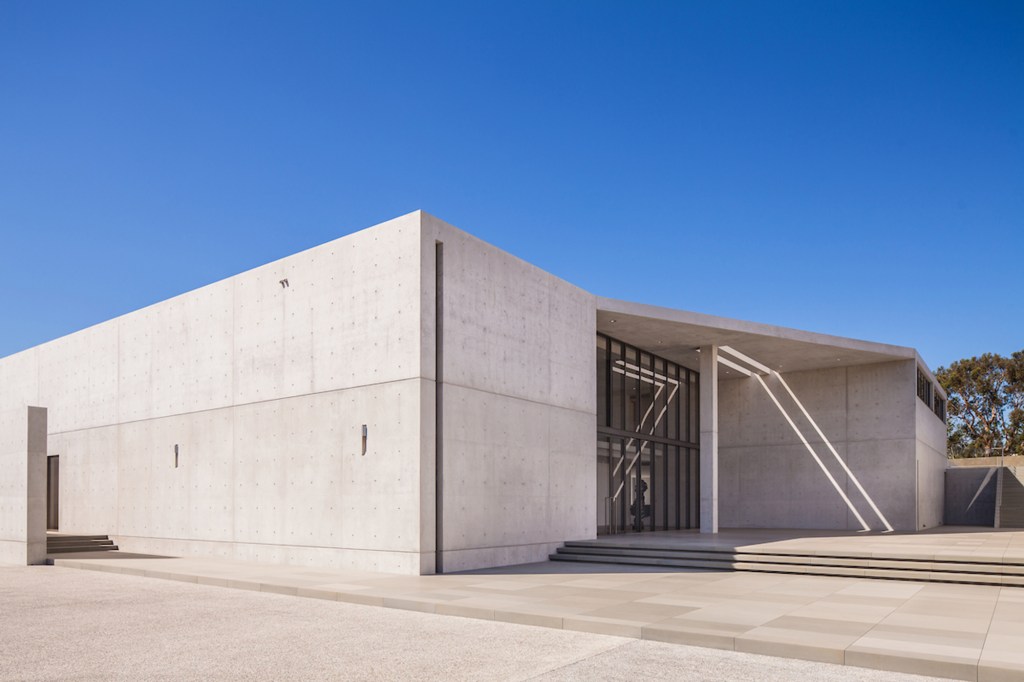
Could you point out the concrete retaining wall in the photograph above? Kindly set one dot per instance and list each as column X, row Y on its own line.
column 1008, row 460
column 971, row 496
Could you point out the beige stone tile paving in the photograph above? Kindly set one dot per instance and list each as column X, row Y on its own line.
column 970, row 632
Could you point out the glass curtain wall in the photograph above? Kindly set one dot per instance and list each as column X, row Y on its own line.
column 647, row 441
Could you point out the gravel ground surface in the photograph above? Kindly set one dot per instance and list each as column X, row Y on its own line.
column 65, row 624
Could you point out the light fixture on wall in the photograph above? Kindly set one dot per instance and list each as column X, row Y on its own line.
column 364, row 439
column 175, row 455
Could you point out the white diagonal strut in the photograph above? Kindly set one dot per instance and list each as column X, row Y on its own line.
column 835, row 454
column 747, row 359
column 817, row 459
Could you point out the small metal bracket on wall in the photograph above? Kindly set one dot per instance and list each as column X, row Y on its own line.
column 364, row 439
column 175, row 455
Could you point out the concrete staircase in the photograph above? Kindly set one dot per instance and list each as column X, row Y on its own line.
column 56, row 544
column 1010, row 498
column 893, row 567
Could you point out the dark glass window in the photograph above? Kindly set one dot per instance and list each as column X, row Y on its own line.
column 924, row 387
column 617, row 388
column 671, row 400
column 648, row 431
column 631, row 369
column 602, row 380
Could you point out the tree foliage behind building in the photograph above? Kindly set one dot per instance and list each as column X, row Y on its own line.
column 985, row 407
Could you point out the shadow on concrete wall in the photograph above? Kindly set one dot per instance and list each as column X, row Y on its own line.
column 971, row 496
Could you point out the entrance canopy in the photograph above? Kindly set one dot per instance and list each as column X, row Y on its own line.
column 765, row 353
column 676, row 335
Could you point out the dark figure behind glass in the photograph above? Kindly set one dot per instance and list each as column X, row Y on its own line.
column 640, row 510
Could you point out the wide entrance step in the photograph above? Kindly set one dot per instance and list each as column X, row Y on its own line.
column 985, row 572
column 56, row 544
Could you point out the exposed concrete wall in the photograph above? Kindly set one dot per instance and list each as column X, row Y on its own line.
column 768, row 478
column 23, row 486
column 264, row 388
column 264, row 380
column 19, row 380
column 519, row 404
column 970, row 498
column 931, row 465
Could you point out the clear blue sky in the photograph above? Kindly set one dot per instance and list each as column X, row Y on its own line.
column 855, row 168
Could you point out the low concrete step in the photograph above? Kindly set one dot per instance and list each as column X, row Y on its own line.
column 801, row 569
column 786, row 556
column 54, row 537
column 894, row 568
column 56, row 544
column 893, row 563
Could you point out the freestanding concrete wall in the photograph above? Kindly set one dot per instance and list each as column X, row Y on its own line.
column 767, row 477
column 23, row 486
column 519, row 403
column 971, row 496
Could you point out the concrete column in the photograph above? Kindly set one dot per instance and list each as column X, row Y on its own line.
column 23, row 486
column 709, row 439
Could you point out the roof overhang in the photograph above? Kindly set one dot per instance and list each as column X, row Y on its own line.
column 676, row 335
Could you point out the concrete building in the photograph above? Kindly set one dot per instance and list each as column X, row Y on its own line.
column 411, row 399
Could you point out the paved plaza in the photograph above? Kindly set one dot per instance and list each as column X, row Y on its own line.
column 970, row 632
column 64, row 624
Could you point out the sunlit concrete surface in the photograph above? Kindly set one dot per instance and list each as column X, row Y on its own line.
column 969, row 632
column 65, row 624
column 410, row 399
column 947, row 543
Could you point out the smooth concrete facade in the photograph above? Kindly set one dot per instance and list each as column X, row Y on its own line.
column 23, row 485
column 262, row 382
column 871, row 417
column 409, row 398
column 518, row 400
column 228, row 421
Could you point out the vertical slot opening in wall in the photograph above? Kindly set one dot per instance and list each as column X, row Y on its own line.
column 53, row 492
column 438, row 406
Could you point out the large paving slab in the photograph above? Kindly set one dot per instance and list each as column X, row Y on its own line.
column 970, row 632
column 60, row 624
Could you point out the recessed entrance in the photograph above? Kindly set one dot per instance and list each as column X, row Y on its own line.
column 647, row 441
column 52, row 492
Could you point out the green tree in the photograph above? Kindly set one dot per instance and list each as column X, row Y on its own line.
column 985, row 404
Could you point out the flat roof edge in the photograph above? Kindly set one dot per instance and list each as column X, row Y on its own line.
column 621, row 307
